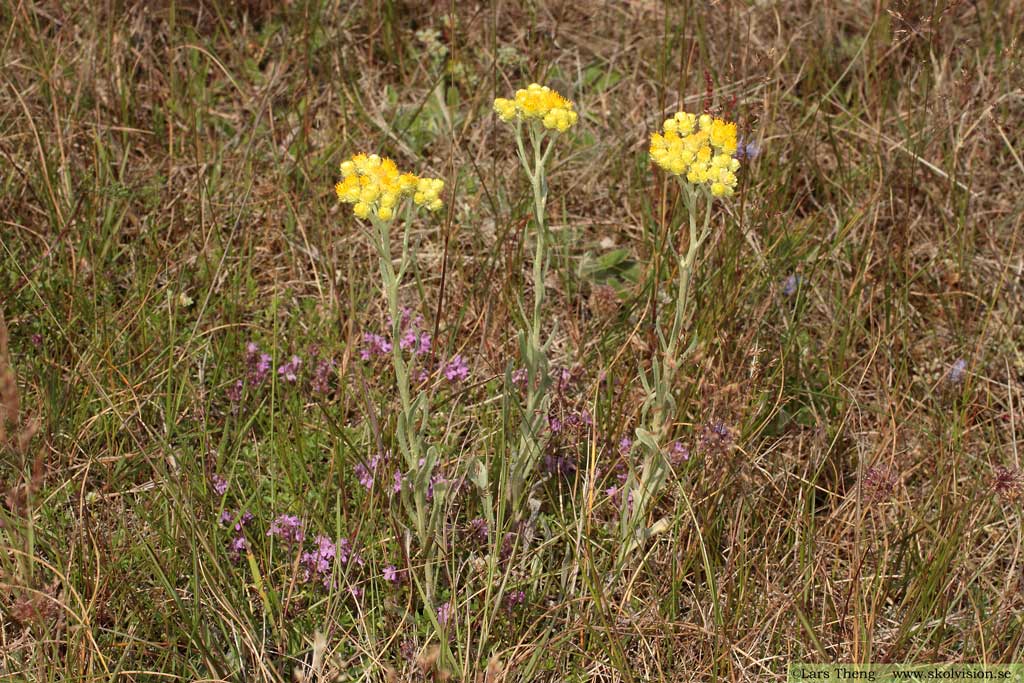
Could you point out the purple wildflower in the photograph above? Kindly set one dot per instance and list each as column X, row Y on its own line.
column 444, row 612
column 478, row 528
column 508, row 543
column 36, row 339
column 390, row 574
column 520, row 377
column 226, row 517
column 374, row 345
column 879, row 483
column 716, row 437
column 678, row 453
column 288, row 528
column 220, row 484
column 397, row 486
column 237, row 546
column 365, row 473
column 434, row 481
column 791, row 284
column 612, row 492
column 318, row 563
column 747, row 149
column 234, row 392
column 423, row 348
column 957, row 371
column 257, row 364
column 321, row 383
column 456, row 370
column 515, row 598
column 289, row 372
column 346, row 553
column 625, row 445
column 563, row 378
column 415, row 341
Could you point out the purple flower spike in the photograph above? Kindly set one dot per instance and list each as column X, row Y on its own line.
column 220, row 484
column 289, row 372
column 257, row 364
column 374, row 345
column 678, row 453
column 234, row 392
column 478, row 528
column 392, row 575
column 321, row 383
column 456, row 370
column 288, row 528
column 236, row 547
column 444, row 612
column 515, row 598
column 318, row 563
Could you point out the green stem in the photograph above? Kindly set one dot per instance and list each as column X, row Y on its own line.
column 535, row 360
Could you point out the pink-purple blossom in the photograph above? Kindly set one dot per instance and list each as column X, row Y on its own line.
column 288, row 528
column 456, row 370
column 289, row 372
column 478, row 528
column 444, row 612
column 237, row 546
column 678, row 453
column 374, row 345
column 220, row 484
column 515, row 598
column 257, row 364
column 227, row 517
column 393, row 575
column 365, row 473
column 318, row 563
column 321, row 383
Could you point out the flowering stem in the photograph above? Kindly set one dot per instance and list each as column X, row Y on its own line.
column 686, row 265
column 408, row 435
column 533, row 351
column 661, row 398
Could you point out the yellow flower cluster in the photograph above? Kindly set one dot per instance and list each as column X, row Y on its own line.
column 375, row 187
column 538, row 102
column 701, row 149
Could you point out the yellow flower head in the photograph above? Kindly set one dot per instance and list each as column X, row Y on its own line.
column 375, row 187
column 541, row 103
column 700, row 149
column 428, row 193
